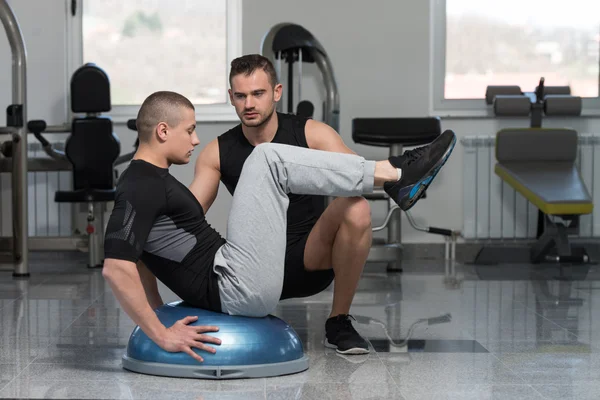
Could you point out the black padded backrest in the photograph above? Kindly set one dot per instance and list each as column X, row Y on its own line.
column 305, row 109
column 92, row 148
column 90, row 90
column 536, row 144
column 386, row 131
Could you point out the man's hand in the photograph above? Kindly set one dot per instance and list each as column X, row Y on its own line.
column 182, row 337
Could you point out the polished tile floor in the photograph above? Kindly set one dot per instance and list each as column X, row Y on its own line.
column 477, row 333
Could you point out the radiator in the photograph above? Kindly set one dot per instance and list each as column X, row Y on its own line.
column 494, row 210
column 46, row 217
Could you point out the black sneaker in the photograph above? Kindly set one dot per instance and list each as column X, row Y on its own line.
column 341, row 335
column 419, row 166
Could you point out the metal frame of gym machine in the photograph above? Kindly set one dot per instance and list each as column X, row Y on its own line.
column 300, row 38
column 19, row 165
column 16, row 117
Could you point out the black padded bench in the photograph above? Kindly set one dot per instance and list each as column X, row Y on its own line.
column 395, row 134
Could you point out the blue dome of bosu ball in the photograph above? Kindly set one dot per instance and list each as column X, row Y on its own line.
column 250, row 347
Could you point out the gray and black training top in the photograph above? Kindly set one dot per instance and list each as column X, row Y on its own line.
column 158, row 220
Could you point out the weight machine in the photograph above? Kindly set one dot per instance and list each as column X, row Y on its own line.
column 91, row 153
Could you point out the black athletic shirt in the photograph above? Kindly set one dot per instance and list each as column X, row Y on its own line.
column 158, row 220
column 234, row 149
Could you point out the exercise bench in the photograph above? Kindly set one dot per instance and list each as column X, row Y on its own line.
column 539, row 163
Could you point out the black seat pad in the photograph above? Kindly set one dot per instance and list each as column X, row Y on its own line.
column 84, row 196
column 384, row 132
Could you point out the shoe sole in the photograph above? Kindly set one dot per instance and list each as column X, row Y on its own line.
column 419, row 188
column 354, row 350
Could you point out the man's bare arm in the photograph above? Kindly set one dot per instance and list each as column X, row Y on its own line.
column 207, row 175
column 150, row 285
column 320, row 136
column 126, row 284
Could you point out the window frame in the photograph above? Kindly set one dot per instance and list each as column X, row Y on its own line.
column 221, row 112
column 468, row 107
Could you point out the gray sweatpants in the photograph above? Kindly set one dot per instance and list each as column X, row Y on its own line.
column 250, row 265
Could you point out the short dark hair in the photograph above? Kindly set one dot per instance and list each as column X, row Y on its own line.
column 162, row 106
column 251, row 62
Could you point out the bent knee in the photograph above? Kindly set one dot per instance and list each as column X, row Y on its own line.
column 267, row 150
column 260, row 159
column 262, row 147
column 358, row 213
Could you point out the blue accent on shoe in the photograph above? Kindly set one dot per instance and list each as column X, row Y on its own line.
column 428, row 180
column 407, row 196
column 415, row 189
column 425, row 181
column 403, row 191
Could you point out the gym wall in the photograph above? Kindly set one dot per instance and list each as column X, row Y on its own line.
column 375, row 79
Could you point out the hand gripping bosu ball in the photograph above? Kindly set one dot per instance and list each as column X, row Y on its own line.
column 250, row 347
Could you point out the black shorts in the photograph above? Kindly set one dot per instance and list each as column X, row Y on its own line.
column 297, row 281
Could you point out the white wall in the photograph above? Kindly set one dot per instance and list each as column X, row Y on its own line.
column 43, row 27
column 380, row 52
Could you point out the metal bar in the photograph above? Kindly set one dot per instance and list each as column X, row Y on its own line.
column 49, row 243
column 34, row 177
column 414, row 224
column 19, row 93
column 64, row 128
column 55, row 154
column 7, row 130
column 37, row 165
column 47, row 207
column 331, row 113
column 59, row 208
column 387, row 219
column 394, row 227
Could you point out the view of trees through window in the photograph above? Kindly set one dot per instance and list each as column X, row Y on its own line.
column 150, row 45
column 516, row 42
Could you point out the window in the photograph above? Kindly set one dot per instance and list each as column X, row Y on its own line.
column 147, row 45
column 514, row 42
